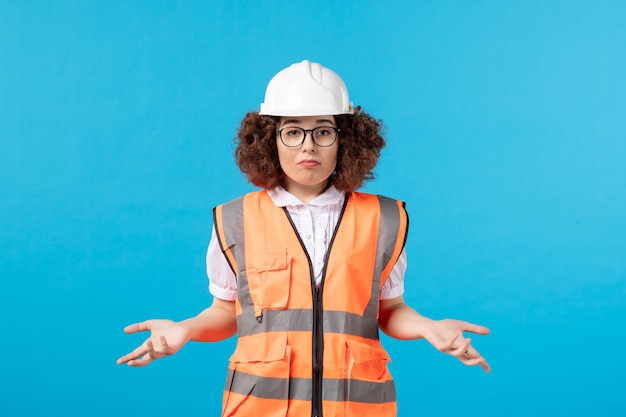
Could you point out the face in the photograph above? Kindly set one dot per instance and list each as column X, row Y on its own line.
column 306, row 167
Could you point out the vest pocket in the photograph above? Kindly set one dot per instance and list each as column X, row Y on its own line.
column 366, row 362
column 366, row 377
column 258, row 376
column 269, row 276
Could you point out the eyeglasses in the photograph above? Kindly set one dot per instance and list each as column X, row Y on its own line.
column 294, row 136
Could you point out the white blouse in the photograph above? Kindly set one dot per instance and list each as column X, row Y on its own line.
column 315, row 223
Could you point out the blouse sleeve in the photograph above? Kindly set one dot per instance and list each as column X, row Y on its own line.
column 394, row 286
column 222, row 280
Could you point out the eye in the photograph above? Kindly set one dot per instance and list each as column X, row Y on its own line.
column 323, row 131
column 292, row 132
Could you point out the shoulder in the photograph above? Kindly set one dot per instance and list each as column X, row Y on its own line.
column 389, row 208
column 254, row 195
column 358, row 196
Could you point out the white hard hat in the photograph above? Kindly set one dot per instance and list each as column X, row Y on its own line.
column 306, row 89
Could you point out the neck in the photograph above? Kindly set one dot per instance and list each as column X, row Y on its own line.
column 306, row 193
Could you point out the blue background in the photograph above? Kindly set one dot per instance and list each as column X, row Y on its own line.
column 506, row 137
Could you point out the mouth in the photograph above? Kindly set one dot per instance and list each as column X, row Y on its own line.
column 308, row 163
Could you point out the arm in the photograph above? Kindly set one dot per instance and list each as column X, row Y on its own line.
column 398, row 320
column 216, row 323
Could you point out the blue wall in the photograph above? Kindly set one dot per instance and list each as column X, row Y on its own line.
column 506, row 138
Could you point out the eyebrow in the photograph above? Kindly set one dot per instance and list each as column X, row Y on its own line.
column 298, row 121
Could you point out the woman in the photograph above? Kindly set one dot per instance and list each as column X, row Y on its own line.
column 308, row 269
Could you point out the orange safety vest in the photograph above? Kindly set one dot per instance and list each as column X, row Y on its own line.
column 305, row 350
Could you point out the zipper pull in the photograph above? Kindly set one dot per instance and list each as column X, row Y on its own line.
column 258, row 313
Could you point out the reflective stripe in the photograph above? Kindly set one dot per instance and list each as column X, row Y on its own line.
column 260, row 387
column 387, row 236
column 232, row 220
column 302, row 388
column 359, row 391
column 387, row 229
column 232, row 215
column 302, row 320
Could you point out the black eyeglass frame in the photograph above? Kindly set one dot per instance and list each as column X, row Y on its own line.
column 280, row 135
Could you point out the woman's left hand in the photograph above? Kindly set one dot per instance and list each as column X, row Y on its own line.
column 447, row 336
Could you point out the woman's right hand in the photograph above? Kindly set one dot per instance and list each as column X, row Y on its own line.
column 166, row 338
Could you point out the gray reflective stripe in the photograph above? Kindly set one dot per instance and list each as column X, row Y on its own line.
column 359, row 391
column 387, row 237
column 232, row 221
column 302, row 388
column 350, row 323
column 302, row 320
column 260, row 387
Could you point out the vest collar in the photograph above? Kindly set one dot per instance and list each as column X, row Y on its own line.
column 283, row 198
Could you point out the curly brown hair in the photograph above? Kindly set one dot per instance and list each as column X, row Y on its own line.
column 360, row 142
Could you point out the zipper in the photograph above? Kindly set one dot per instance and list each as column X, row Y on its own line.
column 318, row 352
column 318, row 316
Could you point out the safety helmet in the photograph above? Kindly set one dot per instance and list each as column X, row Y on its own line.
column 306, row 89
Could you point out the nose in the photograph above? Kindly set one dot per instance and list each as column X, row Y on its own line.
column 309, row 144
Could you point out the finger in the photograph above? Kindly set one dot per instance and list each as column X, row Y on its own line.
column 476, row 328
column 475, row 361
column 164, row 346
column 123, row 359
column 140, row 351
column 471, row 361
column 472, row 352
column 138, row 327
column 146, row 359
column 473, row 357
column 478, row 361
column 447, row 346
column 462, row 349
column 152, row 352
